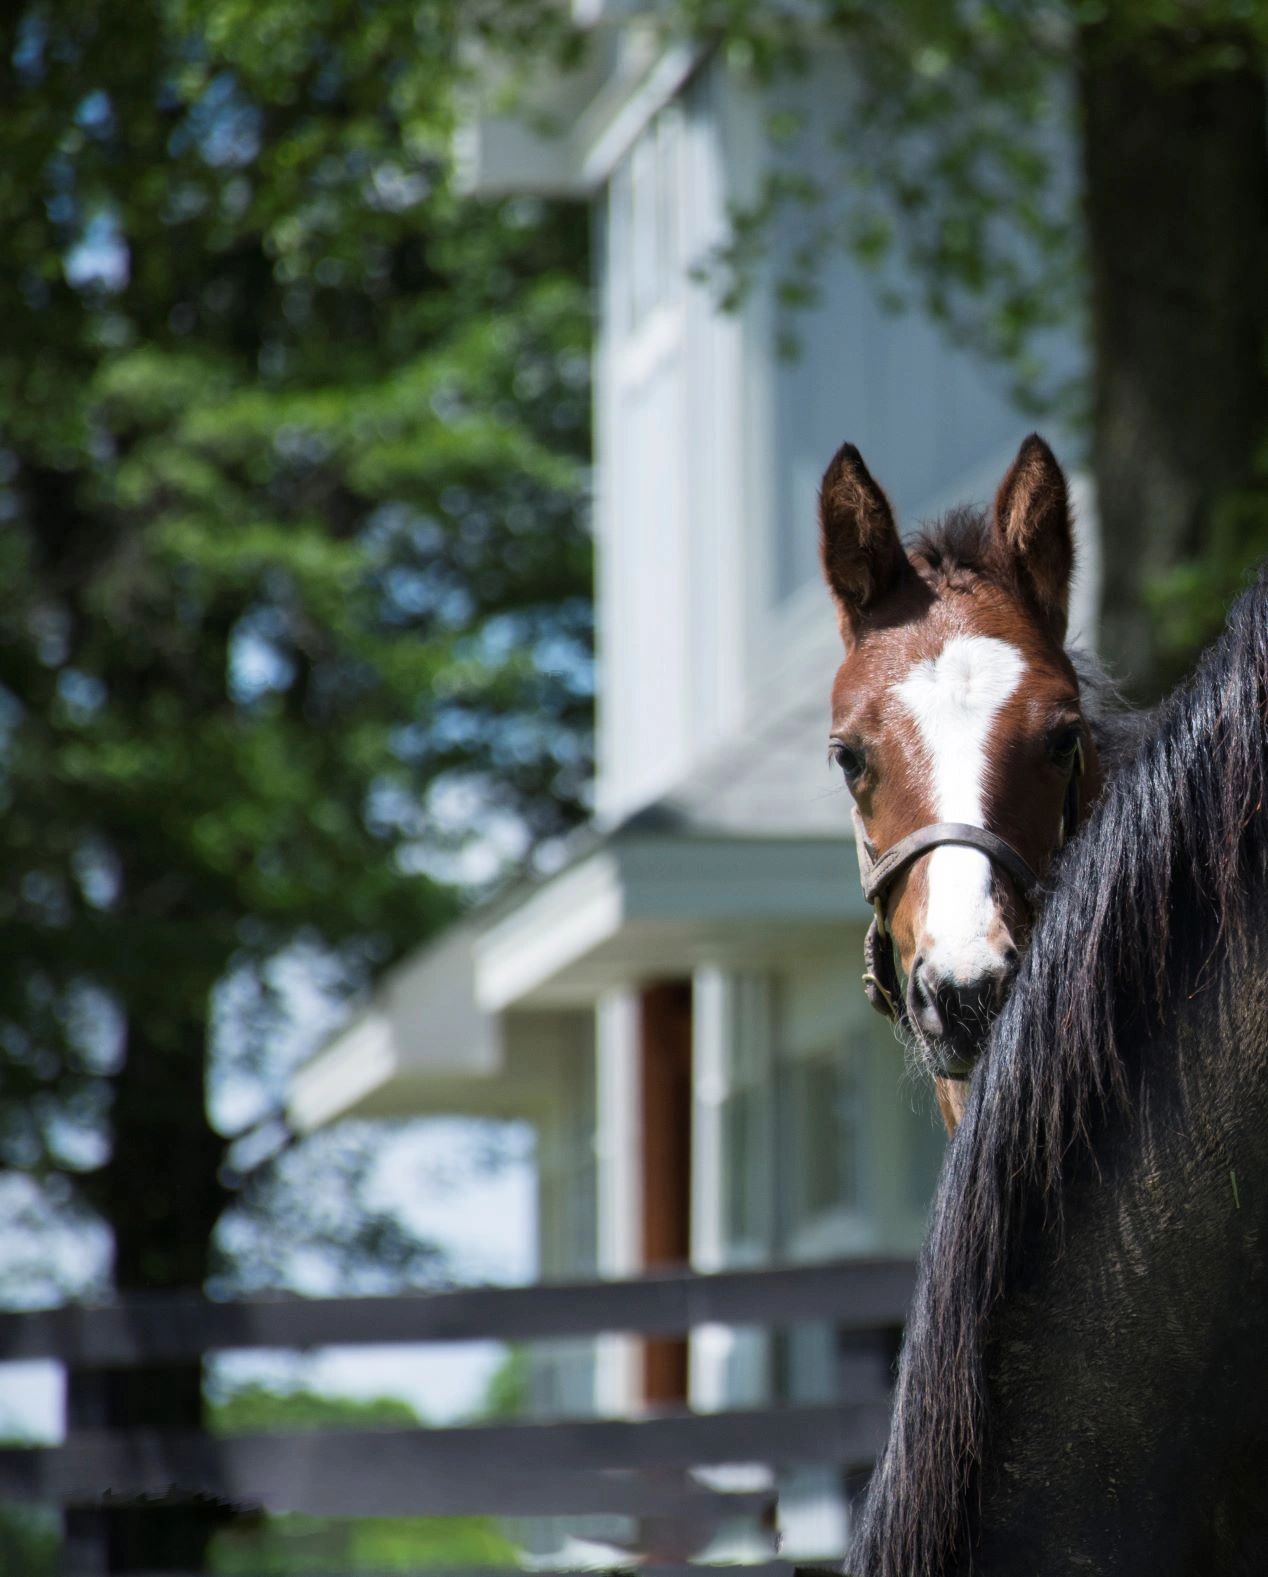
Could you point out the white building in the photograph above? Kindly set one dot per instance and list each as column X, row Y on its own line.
column 679, row 1009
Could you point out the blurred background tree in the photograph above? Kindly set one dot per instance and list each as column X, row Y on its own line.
column 293, row 447
column 1066, row 164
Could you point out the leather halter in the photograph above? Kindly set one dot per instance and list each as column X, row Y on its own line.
column 878, row 874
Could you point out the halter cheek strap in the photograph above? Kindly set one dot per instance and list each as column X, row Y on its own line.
column 878, row 873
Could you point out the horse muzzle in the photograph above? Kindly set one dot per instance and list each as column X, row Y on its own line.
column 951, row 1018
column 948, row 1018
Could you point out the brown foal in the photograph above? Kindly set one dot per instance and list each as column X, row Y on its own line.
column 958, row 724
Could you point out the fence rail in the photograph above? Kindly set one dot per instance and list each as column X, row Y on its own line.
column 169, row 1328
column 525, row 1469
column 641, row 1468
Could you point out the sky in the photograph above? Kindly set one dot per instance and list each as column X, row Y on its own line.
column 487, row 1224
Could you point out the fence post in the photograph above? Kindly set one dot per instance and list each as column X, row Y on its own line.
column 164, row 1533
column 85, row 1531
column 865, row 1367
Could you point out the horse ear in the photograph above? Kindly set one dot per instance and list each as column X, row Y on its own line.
column 858, row 542
column 1032, row 524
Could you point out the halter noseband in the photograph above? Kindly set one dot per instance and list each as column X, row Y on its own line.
column 879, row 873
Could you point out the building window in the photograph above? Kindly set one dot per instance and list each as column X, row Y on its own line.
column 567, row 1177
column 746, row 1117
column 859, row 1142
column 577, row 1179
column 926, row 1147
column 827, row 1098
column 743, row 1138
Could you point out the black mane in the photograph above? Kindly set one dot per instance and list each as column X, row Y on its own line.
column 1179, row 832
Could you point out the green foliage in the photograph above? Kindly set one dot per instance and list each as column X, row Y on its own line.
column 30, row 1542
column 947, row 144
column 260, row 1409
column 293, row 450
column 507, row 1392
column 1189, row 601
column 951, row 144
column 279, row 1546
column 1000, row 153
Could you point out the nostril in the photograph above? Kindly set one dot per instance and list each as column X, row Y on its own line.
column 925, row 999
column 920, row 984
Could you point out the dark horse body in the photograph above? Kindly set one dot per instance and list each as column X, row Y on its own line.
column 1084, row 1386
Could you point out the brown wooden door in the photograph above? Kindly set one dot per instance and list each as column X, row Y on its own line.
column 665, row 1092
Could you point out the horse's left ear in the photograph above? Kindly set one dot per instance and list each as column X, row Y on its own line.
column 1032, row 524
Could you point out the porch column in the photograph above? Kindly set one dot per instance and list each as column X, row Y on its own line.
column 644, row 1098
column 618, row 1129
column 734, row 1170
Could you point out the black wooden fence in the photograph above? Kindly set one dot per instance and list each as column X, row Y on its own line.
column 633, row 1467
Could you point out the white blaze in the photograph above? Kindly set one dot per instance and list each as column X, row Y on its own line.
column 954, row 699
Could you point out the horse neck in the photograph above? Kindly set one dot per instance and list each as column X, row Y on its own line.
column 1124, row 1371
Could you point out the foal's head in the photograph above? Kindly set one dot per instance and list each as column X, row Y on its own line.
column 956, row 702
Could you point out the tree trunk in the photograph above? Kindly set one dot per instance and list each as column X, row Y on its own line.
column 162, row 1197
column 1176, row 191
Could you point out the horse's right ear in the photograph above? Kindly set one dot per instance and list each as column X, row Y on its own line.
column 858, row 541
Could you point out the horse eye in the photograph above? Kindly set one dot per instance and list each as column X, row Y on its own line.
column 850, row 761
column 1063, row 743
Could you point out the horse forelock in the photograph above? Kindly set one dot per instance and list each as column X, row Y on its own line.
column 960, row 548
column 1180, row 829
